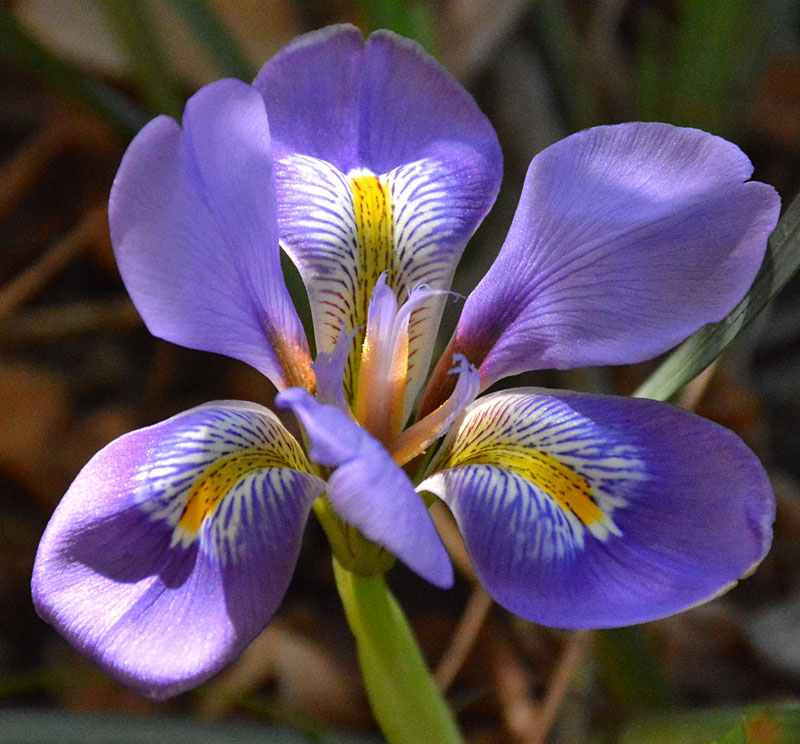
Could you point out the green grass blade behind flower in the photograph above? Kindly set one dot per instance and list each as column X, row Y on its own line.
column 711, row 42
column 401, row 691
column 210, row 30
column 410, row 18
column 152, row 72
column 652, row 92
column 737, row 736
column 631, row 675
column 705, row 345
column 564, row 53
column 25, row 50
column 765, row 724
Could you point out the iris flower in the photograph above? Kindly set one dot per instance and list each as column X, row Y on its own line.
column 372, row 167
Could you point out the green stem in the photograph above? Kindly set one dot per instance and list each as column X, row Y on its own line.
column 404, row 698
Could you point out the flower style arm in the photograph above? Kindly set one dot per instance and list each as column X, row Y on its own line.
column 584, row 511
column 384, row 165
column 626, row 239
column 193, row 222
column 368, row 490
column 175, row 544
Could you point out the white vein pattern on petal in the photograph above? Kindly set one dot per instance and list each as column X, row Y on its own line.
column 319, row 232
column 430, row 219
column 611, row 468
column 520, row 512
column 426, row 212
column 164, row 484
column 245, row 506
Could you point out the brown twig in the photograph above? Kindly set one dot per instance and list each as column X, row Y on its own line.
column 566, row 668
column 693, row 393
column 13, row 295
column 451, row 537
column 21, row 171
column 475, row 28
column 513, row 689
column 70, row 319
column 466, row 633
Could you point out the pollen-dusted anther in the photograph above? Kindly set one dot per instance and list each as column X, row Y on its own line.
column 383, row 371
column 414, row 440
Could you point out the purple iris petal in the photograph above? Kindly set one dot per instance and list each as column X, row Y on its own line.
column 368, row 490
column 377, row 105
column 627, row 239
column 384, row 163
column 193, row 222
column 175, row 544
column 589, row 511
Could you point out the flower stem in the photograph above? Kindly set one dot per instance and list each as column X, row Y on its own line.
column 404, row 698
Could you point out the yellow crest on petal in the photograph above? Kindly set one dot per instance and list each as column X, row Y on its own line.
column 516, row 435
column 372, row 207
column 570, row 490
column 212, row 486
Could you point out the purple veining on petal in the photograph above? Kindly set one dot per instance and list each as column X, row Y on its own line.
column 158, row 606
column 627, row 239
column 194, row 227
column 340, row 108
column 678, row 508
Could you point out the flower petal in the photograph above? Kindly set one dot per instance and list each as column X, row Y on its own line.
column 175, row 544
column 194, row 227
column 585, row 511
column 627, row 239
column 384, row 163
column 368, row 490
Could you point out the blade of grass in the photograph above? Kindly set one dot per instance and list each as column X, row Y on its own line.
column 705, row 345
column 652, row 87
column 408, row 18
column 211, row 32
column 629, row 670
column 758, row 724
column 709, row 44
column 152, row 71
column 563, row 52
column 25, row 50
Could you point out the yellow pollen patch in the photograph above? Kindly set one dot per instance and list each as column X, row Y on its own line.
column 374, row 219
column 571, row 491
column 372, row 207
column 212, row 486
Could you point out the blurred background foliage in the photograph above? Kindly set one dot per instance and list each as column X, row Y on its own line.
column 79, row 77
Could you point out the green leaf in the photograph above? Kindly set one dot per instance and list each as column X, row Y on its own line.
column 757, row 724
column 698, row 351
column 401, row 691
column 630, row 672
column 710, row 41
column 735, row 736
column 25, row 50
column 405, row 17
column 652, row 66
column 152, row 70
column 211, row 32
column 564, row 52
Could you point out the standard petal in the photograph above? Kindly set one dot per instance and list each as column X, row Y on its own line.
column 368, row 490
column 384, row 163
column 193, row 222
column 627, row 239
column 583, row 511
column 175, row 544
